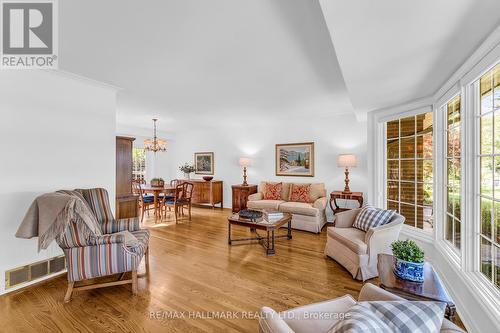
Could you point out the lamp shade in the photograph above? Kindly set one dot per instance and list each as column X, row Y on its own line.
column 245, row 161
column 346, row 160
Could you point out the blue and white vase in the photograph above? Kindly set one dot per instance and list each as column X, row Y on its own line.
column 407, row 270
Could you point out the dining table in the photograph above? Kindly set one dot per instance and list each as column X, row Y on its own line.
column 156, row 191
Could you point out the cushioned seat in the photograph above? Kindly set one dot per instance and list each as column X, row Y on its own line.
column 265, row 204
column 352, row 238
column 302, row 208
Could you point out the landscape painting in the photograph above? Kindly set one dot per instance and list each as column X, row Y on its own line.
column 295, row 159
column 204, row 163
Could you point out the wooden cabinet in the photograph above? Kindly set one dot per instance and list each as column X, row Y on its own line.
column 206, row 192
column 240, row 196
column 126, row 201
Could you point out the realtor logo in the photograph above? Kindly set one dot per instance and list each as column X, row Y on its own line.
column 29, row 34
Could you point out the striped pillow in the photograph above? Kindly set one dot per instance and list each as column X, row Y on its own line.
column 371, row 217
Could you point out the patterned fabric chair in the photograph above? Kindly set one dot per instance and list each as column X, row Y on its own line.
column 101, row 249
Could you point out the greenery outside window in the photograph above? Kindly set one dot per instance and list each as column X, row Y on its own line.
column 452, row 221
column 138, row 164
column 489, row 175
column 409, row 169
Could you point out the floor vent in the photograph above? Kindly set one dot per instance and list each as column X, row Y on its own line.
column 34, row 271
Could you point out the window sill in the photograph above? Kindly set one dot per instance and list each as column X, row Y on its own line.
column 417, row 234
column 450, row 253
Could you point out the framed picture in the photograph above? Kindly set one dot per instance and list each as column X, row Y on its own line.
column 295, row 159
column 204, row 163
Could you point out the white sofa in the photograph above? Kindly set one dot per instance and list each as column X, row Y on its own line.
column 320, row 317
column 308, row 216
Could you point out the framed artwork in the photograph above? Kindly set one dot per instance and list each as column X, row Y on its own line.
column 295, row 159
column 204, row 163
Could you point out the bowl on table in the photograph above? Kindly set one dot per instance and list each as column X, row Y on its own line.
column 208, row 178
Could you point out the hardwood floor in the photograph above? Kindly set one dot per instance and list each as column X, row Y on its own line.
column 192, row 268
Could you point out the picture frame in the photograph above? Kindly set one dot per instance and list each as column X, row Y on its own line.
column 295, row 159
column 204, row 163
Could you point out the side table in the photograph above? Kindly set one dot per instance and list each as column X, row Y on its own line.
column 348, row 196
column 240, row 196
column 431, row 289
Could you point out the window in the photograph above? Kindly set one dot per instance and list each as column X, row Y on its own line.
column 452, row 226
column 489, row 175
column 410, row 169
column 138, row 164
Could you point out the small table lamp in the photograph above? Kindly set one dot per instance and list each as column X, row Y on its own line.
column 245, row 162
column 346, row 160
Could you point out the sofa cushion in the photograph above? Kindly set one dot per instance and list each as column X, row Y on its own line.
column 271, row 322
column 318, row 190
column 301, row 208
column 264, row 204
column 352, row 238
column 273, row 191
column 361, row 319
column 300, row 192
column 370, row 217
column 285, row 189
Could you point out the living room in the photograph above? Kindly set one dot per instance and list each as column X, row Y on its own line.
column 272, row 166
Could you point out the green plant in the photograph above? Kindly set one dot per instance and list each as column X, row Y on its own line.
column 187, row 168
column 407, row 250
column 157, row 180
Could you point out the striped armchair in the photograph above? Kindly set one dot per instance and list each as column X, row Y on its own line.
column 103, row 248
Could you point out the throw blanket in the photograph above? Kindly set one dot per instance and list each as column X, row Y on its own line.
column 49, row 215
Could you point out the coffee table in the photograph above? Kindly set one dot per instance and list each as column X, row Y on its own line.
column 271, row 229
column 431, row 289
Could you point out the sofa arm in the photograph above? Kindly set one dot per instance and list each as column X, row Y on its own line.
column 271, row 322
column 108, row 239
column 370, row 292
column 379, row 239
column 320, row 203
column 255, row 196
column 346, row 219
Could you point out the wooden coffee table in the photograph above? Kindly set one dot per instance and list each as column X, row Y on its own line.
column 431, row 289
column 271, row 229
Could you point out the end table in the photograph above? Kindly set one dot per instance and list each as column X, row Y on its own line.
column 240, row 196
column 358, row 196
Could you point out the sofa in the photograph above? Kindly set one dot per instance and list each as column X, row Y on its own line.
column 309, row 318
column 307, row 216
column 356, row 249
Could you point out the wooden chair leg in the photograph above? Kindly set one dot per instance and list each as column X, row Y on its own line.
column 134, row 282
column 176, row 210
column 189, row 208
column 142, row 214
column 69, row 292
column 146, row 257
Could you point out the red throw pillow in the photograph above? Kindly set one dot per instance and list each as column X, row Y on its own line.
column 300, row 192
column 273, row 191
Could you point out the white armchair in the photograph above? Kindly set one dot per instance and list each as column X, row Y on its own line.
column 357, row 250
column 320, row 317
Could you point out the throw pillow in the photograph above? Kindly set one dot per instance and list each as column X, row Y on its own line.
column 300, row 192
column 130, row 239
column 360, row 319
column 370, row 217
column 273, row 191
column 408, row 316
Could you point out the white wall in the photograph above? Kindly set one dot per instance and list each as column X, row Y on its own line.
column 56, row 132
column 332, row 135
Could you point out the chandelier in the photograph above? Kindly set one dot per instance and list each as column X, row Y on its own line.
column 155, row 144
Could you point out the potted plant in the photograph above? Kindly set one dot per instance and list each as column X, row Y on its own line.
column 157, row 182
column 187, row 169
column 409, row 264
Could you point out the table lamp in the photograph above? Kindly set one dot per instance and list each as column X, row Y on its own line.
column 346, row 161
column 245, row 162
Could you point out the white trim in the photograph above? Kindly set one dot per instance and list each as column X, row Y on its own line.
column 83, row 79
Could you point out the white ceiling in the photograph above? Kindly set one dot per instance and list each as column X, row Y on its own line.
column 394, row 51
column 195, row 61
column 192, row 62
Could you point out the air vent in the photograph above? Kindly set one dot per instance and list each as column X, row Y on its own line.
column 34, row 271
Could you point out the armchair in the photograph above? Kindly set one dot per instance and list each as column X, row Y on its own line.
column 357, row 250
column 111, row 247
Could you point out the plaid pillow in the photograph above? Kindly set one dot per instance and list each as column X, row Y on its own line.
column 360, row 319
column 392, row 316
column 370, row 217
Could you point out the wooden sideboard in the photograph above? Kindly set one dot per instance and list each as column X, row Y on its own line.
column 126, row 201
column 240, row 196
column 206, row 192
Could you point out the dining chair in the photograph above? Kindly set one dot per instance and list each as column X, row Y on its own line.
column 146, row 202
column 183, row 192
